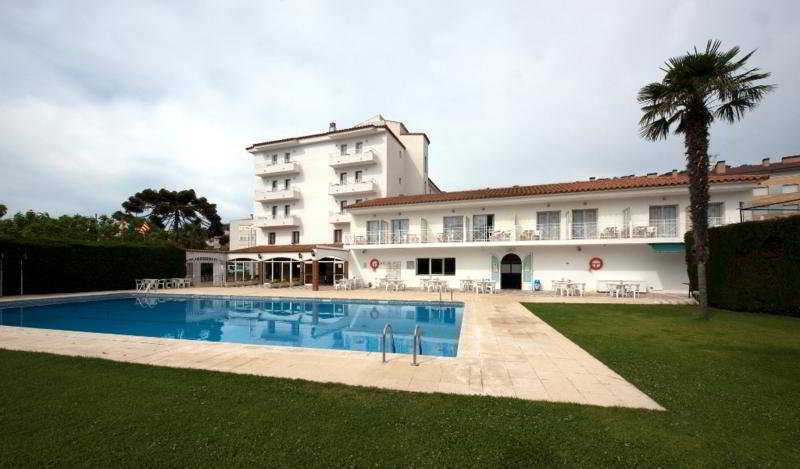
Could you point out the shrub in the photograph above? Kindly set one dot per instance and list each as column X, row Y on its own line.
column 56, row 267
column 753, row 266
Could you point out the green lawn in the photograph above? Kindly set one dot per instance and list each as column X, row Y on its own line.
column 731, row 386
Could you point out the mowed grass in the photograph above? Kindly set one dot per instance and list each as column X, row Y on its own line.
column 731, row 386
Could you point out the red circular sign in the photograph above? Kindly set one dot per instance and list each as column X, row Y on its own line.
column 596, row 263
column 374, row 263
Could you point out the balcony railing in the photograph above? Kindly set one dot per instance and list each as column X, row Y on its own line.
column 338, row 217
column 364, row 186
column 265, row 195
column 277, row 169
column 366, row 157
column 540, row 232
column 277, row 221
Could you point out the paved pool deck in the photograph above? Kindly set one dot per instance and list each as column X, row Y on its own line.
column 504, row 350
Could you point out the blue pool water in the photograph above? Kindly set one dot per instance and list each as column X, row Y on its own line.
column 330, row 324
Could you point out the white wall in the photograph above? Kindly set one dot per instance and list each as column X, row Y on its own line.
column 660, row 271
column 394, row 173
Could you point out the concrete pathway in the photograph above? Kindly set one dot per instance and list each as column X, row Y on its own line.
column 504, row 350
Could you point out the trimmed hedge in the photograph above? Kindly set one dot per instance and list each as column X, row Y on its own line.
column 56, row 267
column 753, row 266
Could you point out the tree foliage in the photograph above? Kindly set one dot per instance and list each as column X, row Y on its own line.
column 3, row 210
column 174, row 210
column 698, row 88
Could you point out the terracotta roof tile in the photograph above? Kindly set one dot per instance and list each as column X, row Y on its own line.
column 610, row 184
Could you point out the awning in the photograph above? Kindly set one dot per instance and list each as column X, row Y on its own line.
column 667, row 247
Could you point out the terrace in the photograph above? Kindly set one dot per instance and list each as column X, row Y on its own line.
column 591, row 231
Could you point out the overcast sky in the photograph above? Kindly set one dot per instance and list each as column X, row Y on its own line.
column 99, row 100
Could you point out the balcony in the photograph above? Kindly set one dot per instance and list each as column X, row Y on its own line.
column 277, row 169
column 365, row 186
column 280, row 221
column 650, row 229
column 264, row 195
column 364, row 158
column 339, row 218
column 522, row 233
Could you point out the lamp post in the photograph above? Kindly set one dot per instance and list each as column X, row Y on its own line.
column 22, row 260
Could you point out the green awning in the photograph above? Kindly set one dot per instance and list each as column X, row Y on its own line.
column 667, row 247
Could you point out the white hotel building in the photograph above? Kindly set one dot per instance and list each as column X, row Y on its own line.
column 344, row 201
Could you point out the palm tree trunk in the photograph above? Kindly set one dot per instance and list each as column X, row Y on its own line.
column 696, row 141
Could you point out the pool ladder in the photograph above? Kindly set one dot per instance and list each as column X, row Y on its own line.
column 387, row 329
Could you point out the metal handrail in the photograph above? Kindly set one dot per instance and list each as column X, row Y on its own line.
column 386, row 328
column 417, row 343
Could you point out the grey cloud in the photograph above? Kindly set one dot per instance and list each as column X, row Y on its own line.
column 100, row 101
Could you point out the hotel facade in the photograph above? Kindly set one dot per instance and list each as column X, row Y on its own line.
column 358, row 202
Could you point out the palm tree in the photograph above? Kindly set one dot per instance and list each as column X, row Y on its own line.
column 698, row 88
column 173, row 210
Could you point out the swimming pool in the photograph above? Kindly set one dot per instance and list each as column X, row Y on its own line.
column 293, row 322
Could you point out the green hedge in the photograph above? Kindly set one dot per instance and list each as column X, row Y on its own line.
column 55, row 267
column 753, row 266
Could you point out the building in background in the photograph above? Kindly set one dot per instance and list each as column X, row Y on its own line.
column 359, row 202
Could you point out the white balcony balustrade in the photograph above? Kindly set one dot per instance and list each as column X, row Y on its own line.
column 277, row 221
column 265, row 195
column 363, row 158
column 277, row 169
column 364, row 186
column 524, row 233
column 339, row 217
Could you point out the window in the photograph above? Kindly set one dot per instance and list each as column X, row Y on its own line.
column 759, row 191
column 790, row 188
column 358, row 146
column 358, row 176
column 423, row 266
column 664, row 218
column 716, row 214
column 549, row 224
column 286, row 183
column 271, row 238
column 275, row 158
column 343, row 149
column 374, row 232
column 295, row 237
column 274, row 211
column 453, row 228
column 342, row 178
column 449, row 265
column 287, row 157
column 399, row 180
column 337, row 236
column 342, row 205
column 436, row 266
column 287, row 210
column 584, row 223
column 482, row 227
column 399, row 230
column 274, row 186
column 358, row 200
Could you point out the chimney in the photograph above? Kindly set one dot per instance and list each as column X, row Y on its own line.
column 332, row 127
column 765, row 162
column 674, row 172
column 720, row 167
